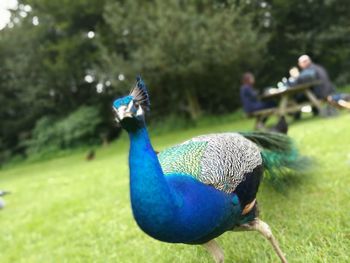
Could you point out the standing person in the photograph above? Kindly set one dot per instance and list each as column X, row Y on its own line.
column 311, row 71
column 249, row 95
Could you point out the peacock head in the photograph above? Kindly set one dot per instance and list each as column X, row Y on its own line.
column 130, row 110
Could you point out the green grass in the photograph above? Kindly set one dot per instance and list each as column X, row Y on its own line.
column 70, row 210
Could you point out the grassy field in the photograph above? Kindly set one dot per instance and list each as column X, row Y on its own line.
column 70, row 210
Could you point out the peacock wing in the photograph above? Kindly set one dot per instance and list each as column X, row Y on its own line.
column 183, row 158
column 222, row 160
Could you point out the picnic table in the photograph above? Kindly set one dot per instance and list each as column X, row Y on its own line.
column 286, row 103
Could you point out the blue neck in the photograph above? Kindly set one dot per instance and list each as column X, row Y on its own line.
column 153, row 202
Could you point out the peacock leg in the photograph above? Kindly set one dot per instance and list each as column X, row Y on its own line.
column 215, row 250
column 265, row 230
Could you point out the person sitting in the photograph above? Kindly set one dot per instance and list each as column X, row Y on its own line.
column 250, row 99
column 249, row 96
column 311, row 72
column 293, row 76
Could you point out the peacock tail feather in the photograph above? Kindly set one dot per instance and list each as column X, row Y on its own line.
column 279, row 153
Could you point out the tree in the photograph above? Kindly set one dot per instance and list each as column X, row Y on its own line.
column 44, row 65
column 319, row 28
column 59, row 56
column 192, row 52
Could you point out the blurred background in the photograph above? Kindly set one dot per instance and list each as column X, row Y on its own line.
column 64, row 187
column 63, row 62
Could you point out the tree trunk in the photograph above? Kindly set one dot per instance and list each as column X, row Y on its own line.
column 194, row 108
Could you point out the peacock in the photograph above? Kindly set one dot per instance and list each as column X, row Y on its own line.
column 195, row 191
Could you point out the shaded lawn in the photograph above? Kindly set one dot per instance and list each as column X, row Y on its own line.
column 70, row 210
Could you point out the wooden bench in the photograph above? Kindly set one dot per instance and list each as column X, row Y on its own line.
column 262, row 114
column 286, row 102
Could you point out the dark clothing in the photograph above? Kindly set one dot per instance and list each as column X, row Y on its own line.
column 250, row 100
column 317, row 72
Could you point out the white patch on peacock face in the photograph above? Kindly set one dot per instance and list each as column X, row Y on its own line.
column 130, row 110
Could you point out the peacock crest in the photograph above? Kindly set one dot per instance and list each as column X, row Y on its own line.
column 140, row 94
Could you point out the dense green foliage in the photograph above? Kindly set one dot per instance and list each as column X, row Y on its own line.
column 192, row 52
column 70, row 210
column 319, row 28
column 61, row 55
column 76, row 129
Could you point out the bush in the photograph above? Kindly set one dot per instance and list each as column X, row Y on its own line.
column 76, row 129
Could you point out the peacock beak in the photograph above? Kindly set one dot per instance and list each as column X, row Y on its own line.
column 124, row 111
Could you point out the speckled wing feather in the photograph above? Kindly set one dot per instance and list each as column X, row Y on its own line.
column 222, row 160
